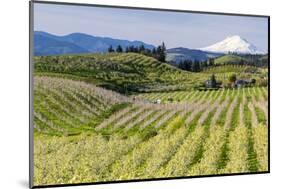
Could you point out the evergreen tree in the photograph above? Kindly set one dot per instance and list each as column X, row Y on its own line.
column 211, row 62
column 153, row 51
column 131, row 48
column 148, row 52
column 204, row 64
column 188, row 65
column 110, row 49
column 158, row 50
column 181, row 65
column 163, row 47
column 213, row 81
column 119, row 49
column 195, row 67
column 142, row 48
column 162, row 53
column 185, row 65
column 135, row 49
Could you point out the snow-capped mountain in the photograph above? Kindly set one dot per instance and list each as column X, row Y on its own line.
column 234, row 44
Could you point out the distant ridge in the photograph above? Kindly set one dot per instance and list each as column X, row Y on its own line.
column 178, row 54
column 76, row 43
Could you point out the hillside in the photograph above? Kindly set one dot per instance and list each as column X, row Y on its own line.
column 229, row 59
column 246, row 59
column 66, row 107
column 122, row 72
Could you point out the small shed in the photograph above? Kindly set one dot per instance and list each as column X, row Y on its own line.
column 241, row 83
column 158, row 101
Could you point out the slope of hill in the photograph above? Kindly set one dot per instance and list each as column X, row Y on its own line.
column 67, row 107
column 179, row 54
column 229, row 59
column 86, row 42
column 122, row 72
column 253, row 60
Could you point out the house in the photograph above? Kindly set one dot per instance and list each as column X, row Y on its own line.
column 211, row 83
column 208, row 84
column 158, row 101
column 241, row 83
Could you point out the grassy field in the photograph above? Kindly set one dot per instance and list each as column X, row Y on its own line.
column 229, row 59
column 95, row 119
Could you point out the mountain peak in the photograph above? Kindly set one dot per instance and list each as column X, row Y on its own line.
column 235, row 37
column 234, row 44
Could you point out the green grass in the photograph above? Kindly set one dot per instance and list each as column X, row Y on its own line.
column 227, row 59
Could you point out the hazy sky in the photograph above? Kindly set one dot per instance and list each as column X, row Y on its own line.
column 175, row 29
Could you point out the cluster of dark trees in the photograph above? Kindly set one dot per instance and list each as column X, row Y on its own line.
column 195, row 66
column 158, row 53
column 257, row 60
column 248, row 60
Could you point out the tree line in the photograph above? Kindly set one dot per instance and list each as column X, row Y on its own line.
column 158, row 53
column 195, row 65
column 248, row 60
column 258, row 60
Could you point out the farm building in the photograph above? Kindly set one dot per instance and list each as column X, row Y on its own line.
column 241, row 83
